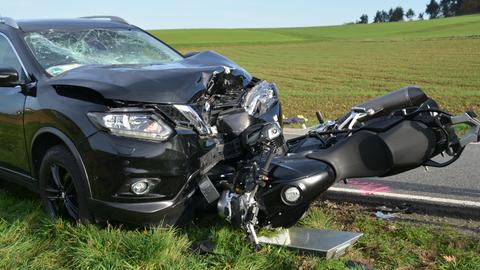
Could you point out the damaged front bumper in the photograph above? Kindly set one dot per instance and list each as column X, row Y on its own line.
column 167, row 212
column 205, row 133
column 114, row 163
column 172, row 167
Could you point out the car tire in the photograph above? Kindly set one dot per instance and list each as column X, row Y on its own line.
column 62, row 187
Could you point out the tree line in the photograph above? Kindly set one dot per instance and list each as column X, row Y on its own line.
column 444, row 8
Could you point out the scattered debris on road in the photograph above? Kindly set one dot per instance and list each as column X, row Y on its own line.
column 402, row 208
column 299, row 119
column 381, row 215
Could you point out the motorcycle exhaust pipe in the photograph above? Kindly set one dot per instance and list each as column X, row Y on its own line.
column 406, row 97
column 410, row 96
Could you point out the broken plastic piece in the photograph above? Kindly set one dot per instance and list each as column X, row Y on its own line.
column 381, row 215
column 208, row 189
column 294, row 120
column 403, row 208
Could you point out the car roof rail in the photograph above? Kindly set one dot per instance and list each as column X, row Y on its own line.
column 9, row 21
column 111, row 18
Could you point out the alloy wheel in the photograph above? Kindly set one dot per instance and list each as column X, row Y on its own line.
column 61, row 193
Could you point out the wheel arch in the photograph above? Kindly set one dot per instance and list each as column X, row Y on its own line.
column 44, row 139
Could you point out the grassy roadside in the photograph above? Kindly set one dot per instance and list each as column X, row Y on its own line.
column 28, row 240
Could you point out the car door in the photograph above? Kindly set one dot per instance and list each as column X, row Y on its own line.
column 12, row 142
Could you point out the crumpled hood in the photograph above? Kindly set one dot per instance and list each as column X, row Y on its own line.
column 176, row 82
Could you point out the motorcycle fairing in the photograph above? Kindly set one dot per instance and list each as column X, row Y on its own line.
column 272, row 183
column 405, row 138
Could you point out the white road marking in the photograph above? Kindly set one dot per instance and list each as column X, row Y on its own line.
column 405, row 196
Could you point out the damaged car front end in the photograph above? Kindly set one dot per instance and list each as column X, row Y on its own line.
column 179, row 145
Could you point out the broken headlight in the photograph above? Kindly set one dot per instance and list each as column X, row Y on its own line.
column 260, row 98
column 133, row 124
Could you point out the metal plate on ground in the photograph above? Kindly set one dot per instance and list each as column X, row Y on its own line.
column 326, row 243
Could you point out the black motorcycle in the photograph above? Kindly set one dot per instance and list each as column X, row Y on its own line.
column 274, row 182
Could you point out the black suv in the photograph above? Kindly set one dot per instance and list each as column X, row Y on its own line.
column 107, row 122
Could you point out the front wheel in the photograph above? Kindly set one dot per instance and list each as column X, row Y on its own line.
column 62, row 186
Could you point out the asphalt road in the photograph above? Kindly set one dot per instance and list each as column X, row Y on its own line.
column 459, row 181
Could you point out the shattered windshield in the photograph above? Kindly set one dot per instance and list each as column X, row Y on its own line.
column 61, row 50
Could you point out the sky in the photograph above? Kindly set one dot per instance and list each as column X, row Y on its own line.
column 174, row 14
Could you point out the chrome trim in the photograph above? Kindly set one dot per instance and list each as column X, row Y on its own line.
column 364, row 110
column 16, row 54
column 351, row 120
column 111, row 18
column 130, row 110
column 194, row 118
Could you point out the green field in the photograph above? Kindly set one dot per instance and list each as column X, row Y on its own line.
column 333, row 68
column 318, row 68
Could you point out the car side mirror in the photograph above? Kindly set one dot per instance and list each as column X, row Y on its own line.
column 8, row 77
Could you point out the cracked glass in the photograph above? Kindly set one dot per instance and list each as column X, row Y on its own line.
column 61, row 50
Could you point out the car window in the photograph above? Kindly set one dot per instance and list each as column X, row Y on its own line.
column 61, row 50
column 8, row 58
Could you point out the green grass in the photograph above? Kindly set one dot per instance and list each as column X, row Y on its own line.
column 189, row 37
column 333, row 68
column 455, row 27
column 28, row 240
